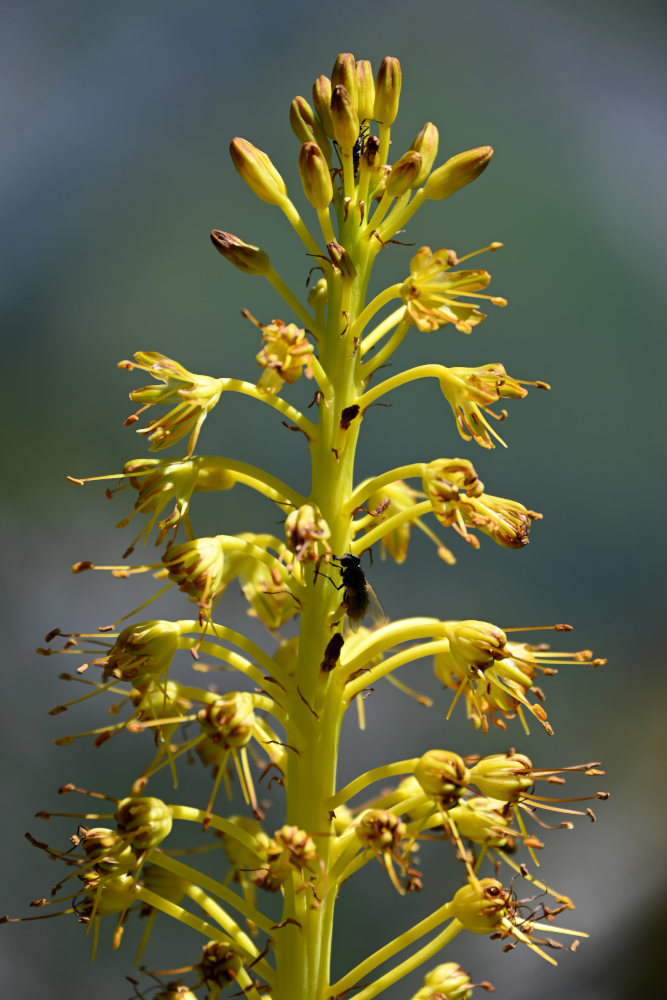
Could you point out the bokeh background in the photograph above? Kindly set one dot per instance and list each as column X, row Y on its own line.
column 116, row 120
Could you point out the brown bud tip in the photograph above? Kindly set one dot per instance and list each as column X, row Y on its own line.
column 344, row 74
column 80, row 567
column 244, row 256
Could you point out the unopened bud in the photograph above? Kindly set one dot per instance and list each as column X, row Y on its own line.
column 249, row 259
column 503, row 776
column 365, row 90
column 457, row 172
column 322, row 102
column 344, row 74
column 481, row 906
column 315, row 176
column 404, row 174
column 426, row 144
column 387, row 91
column 146, row 822
column 443, row 776
column 447, row 981
column 307, row 126
column 258, row 171
column 344, row 118
column 341, row 260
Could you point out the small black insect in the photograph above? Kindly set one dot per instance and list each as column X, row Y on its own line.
column 358, row 596
column 360, row 145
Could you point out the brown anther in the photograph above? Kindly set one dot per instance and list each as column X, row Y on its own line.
column 562, row 628
column 80, row 567
column 73, row 479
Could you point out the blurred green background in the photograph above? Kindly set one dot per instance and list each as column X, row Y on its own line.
column 116, row 120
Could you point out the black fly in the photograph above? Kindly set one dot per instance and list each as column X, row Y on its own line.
column 360, row 145
column 358, row 596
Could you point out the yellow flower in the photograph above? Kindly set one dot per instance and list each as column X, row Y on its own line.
column 432, row 293
column 194, row 396
column 472, row 391
column 285, row 353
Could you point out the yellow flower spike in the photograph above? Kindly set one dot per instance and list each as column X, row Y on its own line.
column 258, row 172
column 426, row 144
column 307, row 127
column 306, row 534
column 365, row 90
column 435, row 295
column 457, row 172
column 244, row 256
column 322, row 102
column 315, row 176
column 344, row 74
column 194, row 395
column 387, row 91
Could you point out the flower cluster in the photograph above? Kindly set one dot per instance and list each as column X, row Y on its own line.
column 267, row 916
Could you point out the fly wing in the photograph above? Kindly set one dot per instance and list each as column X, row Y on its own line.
column 375, row 609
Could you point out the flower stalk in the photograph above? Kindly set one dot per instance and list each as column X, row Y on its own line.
column 309, row 589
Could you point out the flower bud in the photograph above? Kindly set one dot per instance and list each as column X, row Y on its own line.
column 289, row 848
column 446, row 982
column 426, row 144
column 145, row 822
column 306, row 532
column 318, row 294
column 475, row 645
column 143, row 649
column 197, row 567
column 481, row 906
column 387, row 91
column 315, row 176
column 249, row 259
column 107, row 894
column 307, row 126
column 457, row 172
column 503, row 776
column 380, row 830
column 322, row 102
column 480, row 820
column 344, row 118
column 258, row 171
column 219, row 964
column 403, row 174
column 341, row 261
column 344, row 74
column 365, row 90
column 108, row 851
column 443, row 776
column 230, row 720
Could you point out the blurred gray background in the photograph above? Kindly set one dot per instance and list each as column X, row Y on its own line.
column 116, row 120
